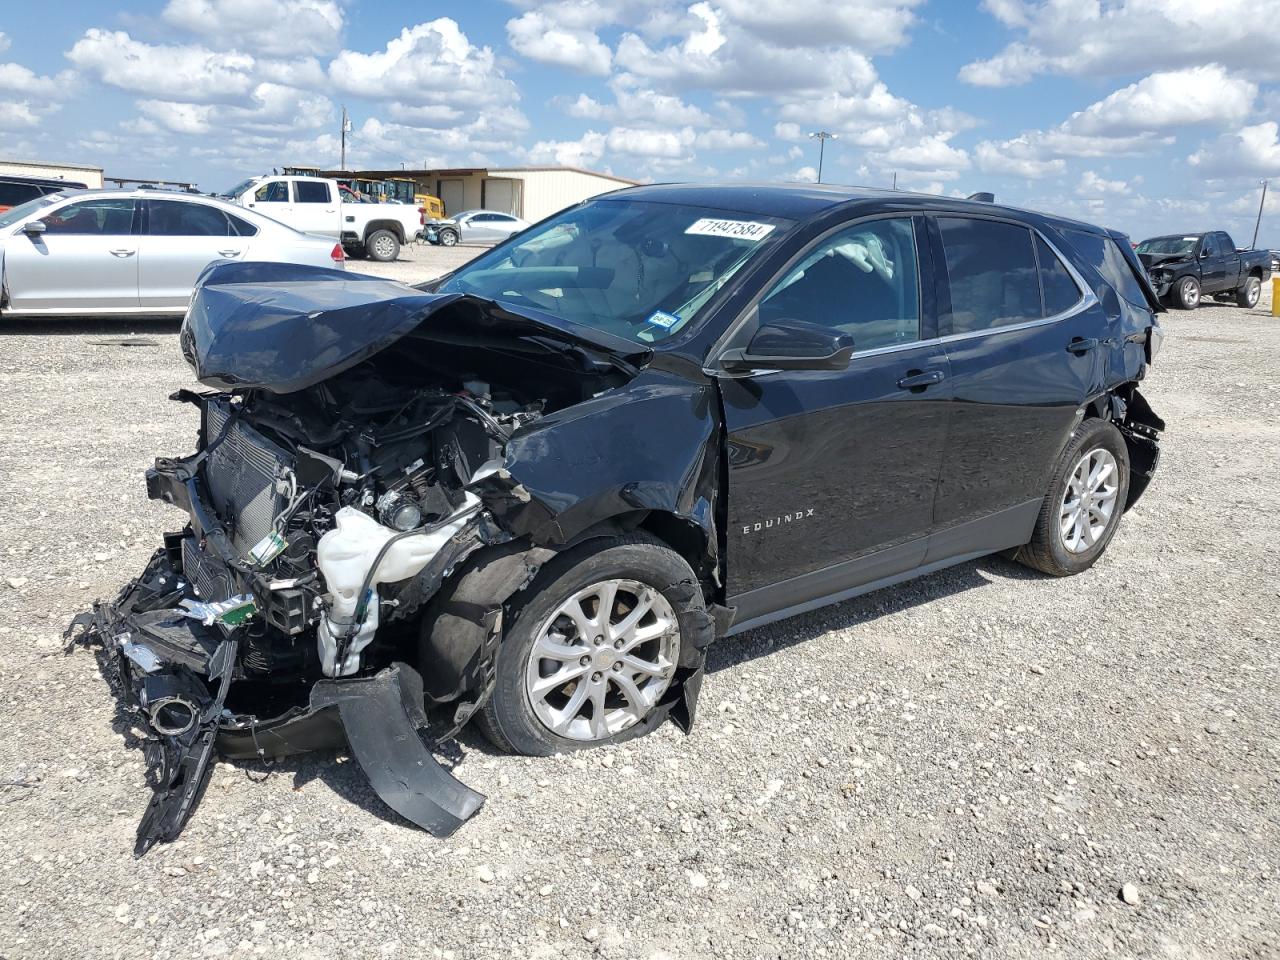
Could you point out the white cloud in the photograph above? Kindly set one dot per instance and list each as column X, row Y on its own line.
column 645, row 142
column 727, row 140
column 272, row 27
column 1161, row 101
column 1092, row 185
column 639, row 105
column 871, row 26
column 427, row 63
column 586, row 151
column 187, row 73
column 4, row 42
column 1018, row 157
column 931, row 154
column 270, row 108
column 16, row 78
column 1126, row 37
column 804, row 175
column 17, row 113
column 177, row 117
column 539, row 37
column 1252, row 151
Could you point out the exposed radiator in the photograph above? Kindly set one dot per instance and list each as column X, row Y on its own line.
column 210, row 579
column 241, row 476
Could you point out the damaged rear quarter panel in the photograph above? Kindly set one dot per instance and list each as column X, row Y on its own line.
column 652, row 446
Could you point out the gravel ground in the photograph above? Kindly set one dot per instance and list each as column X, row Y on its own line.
column 984, row 761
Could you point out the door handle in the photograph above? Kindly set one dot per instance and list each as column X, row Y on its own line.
column 1082, row 344
column 917, row 381
column 123, row 253
column 229, row 253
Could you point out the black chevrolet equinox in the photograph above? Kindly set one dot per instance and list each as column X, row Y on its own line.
column 536, row 489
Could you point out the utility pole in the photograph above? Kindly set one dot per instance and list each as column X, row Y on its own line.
column 895, row 179
column 1258, row 223
column 346, row 128
column 822, row 136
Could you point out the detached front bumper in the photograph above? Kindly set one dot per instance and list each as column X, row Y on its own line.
column 175, row 671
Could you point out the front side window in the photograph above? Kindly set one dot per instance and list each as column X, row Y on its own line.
column 633, row 268
column 991, row 268
column 174, row 218
column 308, row 191
column 862, row 281
column 103, row 216
column 9, row 217
column 276, row 191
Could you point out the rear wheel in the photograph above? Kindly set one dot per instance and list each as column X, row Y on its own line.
column 1248, row 294
column 1082, row 509
column 592, row 648
column 382, row 246
column 1188, row 295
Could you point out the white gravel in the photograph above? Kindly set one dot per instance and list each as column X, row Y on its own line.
column 984, row 761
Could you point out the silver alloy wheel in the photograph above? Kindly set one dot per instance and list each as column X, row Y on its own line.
column 448, row 238
column 1252, row 290
column 1089, row 501
column 1190, row 293
column 384, row 247
column 602, row 660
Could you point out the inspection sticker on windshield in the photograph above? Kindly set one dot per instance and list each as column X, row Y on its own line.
column 662, row 319
column 737, row 229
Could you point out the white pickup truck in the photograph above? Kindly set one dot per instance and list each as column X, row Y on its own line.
column 314, row 205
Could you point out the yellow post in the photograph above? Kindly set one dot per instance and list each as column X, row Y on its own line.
column 1275, row 296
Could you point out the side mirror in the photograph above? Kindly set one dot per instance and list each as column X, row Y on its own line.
column 33, row 228
column 1205, row 252
column 791, row 345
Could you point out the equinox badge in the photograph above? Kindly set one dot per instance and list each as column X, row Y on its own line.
column 777, row 521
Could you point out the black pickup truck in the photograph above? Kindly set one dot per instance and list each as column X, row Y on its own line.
column 1185, row 267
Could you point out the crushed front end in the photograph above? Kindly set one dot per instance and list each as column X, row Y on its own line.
column 331, row 495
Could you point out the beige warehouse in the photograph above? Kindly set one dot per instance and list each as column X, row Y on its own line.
column 90, row 176
column 529, row 192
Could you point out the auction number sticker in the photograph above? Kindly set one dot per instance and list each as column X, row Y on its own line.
column 661, row 318
column 737, row 229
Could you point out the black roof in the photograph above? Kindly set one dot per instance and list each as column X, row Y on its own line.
column 801, row 201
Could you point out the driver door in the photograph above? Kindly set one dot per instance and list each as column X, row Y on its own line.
column 832, row 474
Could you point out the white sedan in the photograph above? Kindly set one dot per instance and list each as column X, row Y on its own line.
column 89, row 252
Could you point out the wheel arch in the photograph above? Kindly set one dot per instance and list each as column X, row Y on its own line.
column 1126, row 407
column 395, row 227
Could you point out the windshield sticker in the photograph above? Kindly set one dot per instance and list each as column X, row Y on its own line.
column 736, row 229
column 662, row 319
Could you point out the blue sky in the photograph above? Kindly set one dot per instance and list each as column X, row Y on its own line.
column 1146, row 115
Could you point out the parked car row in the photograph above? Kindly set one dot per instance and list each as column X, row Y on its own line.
column 83, row 252
column 1186, row 267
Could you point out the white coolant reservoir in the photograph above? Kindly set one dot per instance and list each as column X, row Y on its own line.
column 345, row 555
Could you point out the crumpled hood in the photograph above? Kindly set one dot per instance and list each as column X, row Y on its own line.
column 284, row 327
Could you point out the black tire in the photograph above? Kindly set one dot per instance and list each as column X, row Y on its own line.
column 1187, row 294
column 1248, row 293
column 1047, row 551
column 448, row 238
column 382, row 245
column 508, row 718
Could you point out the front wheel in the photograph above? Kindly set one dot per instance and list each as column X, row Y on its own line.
column 592, row 648
column 383, row 246
column 1247, row 295
column 1188, row 297
column 1082, row 509
column 448, row 238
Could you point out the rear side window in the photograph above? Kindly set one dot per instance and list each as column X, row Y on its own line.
column 991, row 269
column 1103, row 255
column 172, row 218
column 308, row 191
column 1060, row 290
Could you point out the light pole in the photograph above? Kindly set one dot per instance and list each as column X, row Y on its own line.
column 822, row 137
column 1258, row 222
column 346, row 128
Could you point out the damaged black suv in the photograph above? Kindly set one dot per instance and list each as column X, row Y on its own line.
column 538, row 488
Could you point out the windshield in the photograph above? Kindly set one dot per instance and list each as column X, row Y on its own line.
column 1168, row 246
column 632, row 268
column 24, row 210
column 239, row 188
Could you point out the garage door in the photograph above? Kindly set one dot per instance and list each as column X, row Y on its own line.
column 501, row 195
column 451, row 197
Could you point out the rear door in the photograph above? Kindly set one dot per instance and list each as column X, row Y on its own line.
column 85, row 261
column 1025, row 357
column 315, row 208
column 181, row 238
column 832, row 474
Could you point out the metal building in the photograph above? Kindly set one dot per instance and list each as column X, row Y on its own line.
column 529, row 192
column 76, row 172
